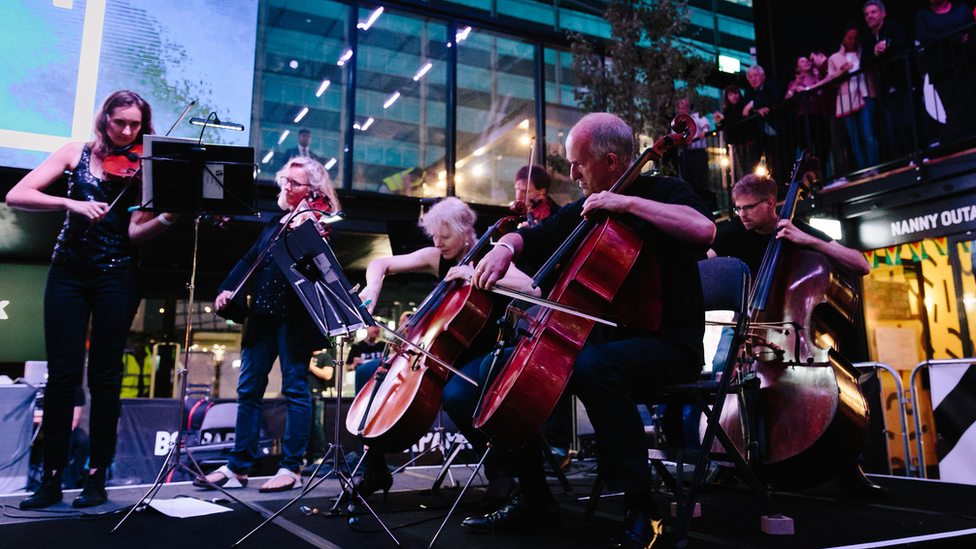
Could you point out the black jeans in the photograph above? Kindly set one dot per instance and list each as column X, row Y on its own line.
column 72, row 297
column 610, row 379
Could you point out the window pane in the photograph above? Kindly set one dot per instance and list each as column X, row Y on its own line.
column 400, row 105
column 562, row 113
column 301, row 85
column 496, row 115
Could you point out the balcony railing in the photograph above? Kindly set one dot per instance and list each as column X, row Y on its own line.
column 915, row 105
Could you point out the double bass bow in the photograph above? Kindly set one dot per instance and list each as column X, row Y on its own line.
column 598, row 258
column 400, row 402
column 814, row 414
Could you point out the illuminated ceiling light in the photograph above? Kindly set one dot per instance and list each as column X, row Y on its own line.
column 458, row 178
column 830, row 227
column 526, row 139
column 372, row 19
column 368, row 123
column 322, row 87
column 267, row 158
column 301, row 114
column 391, row 100
column 442, row 175
column 356, row 126
column 207, row 309
column 345, row 57
column 524, row 125
column 725, row 162
column 293, row 64
column 728, row 64
column 479, row 151
column 478, row 171
column 442, row 184
column 423, row 70
column 330, row 163
column 162, row 310
column 284, row 134
column 463, row 35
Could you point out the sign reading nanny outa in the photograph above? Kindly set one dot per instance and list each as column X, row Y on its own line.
column 918, row 223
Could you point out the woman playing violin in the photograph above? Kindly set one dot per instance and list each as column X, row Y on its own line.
column 450, row 224
column 278, row 326
column 92, row 277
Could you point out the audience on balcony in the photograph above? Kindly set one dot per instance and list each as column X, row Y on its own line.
column 948, row 63
column 855, row 99
column 884, row 41
column 811, row 107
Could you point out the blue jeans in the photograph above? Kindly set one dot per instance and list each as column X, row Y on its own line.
column 256, row 363
column 365, row 371
column 110, row 299
column 860, row 129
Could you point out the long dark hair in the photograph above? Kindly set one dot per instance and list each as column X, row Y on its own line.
column 725, row 95
column 122, row 98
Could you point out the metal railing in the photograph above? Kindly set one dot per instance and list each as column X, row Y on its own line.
column 916, row 104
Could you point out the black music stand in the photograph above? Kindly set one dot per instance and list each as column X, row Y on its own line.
column 187, row 176
column 313, row 271
column 195, row 178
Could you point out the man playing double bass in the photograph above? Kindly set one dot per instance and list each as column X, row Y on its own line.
column 619, row 366
column 746, row 237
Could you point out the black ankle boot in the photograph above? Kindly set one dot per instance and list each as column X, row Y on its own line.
column 47, row 494
column 93, row 492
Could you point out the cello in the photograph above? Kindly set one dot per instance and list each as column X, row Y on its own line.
column 400, row 402
column 598, row 259
column 814, row 415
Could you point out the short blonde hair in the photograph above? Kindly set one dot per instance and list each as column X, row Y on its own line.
column 318, row 181
column 451, row 212
column 758, row 186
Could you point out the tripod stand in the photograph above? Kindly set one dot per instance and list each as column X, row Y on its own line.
column 312, row 269
column 174, row 459
column 340, row 468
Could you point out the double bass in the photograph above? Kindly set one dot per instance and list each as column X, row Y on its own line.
column 814, row 415
column 399, row 403
column 596, row 260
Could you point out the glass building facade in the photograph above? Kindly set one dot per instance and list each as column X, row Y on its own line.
column 428, row 99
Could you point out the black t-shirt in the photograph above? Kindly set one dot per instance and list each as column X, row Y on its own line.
column 315, row 383
column 683, row 312
column 366, row 350
column 733, row 240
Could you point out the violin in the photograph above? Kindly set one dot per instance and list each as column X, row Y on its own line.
column 122, row 164
column 599, row 257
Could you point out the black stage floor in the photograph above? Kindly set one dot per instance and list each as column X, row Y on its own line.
column 915, row 513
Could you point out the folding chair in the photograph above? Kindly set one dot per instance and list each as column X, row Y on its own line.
column 725, row 286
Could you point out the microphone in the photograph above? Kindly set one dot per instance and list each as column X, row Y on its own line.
column 216, row 123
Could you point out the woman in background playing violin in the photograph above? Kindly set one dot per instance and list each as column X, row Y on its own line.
column 278, row 326
column 92, row 276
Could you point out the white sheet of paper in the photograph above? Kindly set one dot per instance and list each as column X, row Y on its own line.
column 187, row 507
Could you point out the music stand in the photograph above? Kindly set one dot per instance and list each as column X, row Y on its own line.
column 191, row 178
column 313, row 271
column 186, row 176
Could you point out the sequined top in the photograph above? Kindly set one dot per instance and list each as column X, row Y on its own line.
column 103, row 246
column 270, row 286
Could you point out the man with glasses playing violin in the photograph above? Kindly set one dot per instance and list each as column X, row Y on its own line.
column 747, row 235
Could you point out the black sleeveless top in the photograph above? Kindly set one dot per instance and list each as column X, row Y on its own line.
column 100, row 247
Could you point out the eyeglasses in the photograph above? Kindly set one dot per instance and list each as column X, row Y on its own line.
column 286, row 182
column 740, row 209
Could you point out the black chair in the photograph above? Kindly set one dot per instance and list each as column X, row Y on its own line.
column 725, row 287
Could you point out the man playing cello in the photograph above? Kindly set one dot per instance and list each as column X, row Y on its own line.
column 619, row 366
